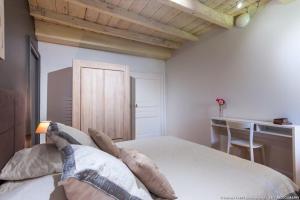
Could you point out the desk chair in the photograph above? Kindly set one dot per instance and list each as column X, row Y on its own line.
column 242, row 143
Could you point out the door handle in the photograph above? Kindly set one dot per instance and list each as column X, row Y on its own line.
column 136, row 105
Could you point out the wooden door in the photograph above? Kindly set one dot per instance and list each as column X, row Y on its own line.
column 101, row 98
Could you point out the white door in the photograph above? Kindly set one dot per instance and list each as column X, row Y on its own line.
column 149, row 104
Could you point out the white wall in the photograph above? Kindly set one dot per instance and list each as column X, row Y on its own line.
column 55, row 57
column 256, row 69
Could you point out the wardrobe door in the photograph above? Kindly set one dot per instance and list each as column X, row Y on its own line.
column 92, row 99
column 114, row 103
column 101, row 98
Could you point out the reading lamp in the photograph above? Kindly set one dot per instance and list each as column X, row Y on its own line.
column 42, row 127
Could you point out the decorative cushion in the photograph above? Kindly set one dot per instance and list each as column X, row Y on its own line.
column 69, row 134
column 78, row 190
column 148, row 173
column 40, row 160
column 99, row 170
column 104, row 142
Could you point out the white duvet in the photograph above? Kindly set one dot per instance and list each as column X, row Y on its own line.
column 198, row 172
column 43, row 188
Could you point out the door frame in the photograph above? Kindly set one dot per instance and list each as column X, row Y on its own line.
column 155, row 76
column 76, row 107
column 35, row 139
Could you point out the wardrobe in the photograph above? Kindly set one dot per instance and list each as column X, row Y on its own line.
column 101, row 98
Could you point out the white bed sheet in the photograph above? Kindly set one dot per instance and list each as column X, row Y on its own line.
column 43, row 188
column 198, row 172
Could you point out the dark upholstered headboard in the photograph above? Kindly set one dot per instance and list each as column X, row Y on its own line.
column 12, row 124
column 7, row 126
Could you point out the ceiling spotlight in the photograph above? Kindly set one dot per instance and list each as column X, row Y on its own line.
column 239, row 5
column 243, row 20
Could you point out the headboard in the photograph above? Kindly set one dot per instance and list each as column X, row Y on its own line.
column 7, row 126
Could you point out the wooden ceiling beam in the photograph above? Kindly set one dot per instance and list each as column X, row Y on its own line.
column 47, row 15
column 194, row 7
column 132, row 17
column 60, row 34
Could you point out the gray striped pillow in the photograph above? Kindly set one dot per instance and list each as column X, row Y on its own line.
column 69, row 135
column 102, row 171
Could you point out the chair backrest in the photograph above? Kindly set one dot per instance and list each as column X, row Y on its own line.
column 249, row 126
column 240, row 125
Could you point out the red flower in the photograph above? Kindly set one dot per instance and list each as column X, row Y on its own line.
column 220, row 101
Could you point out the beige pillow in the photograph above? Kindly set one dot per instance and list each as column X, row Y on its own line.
column 78, row 190
column 148, row 173
column 104, row 142
column 40, row 160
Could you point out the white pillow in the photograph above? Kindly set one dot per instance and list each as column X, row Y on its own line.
column 103, row 171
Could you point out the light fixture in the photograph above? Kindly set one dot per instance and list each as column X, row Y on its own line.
column 239, row 5
column 42, row 127
column 243, row 20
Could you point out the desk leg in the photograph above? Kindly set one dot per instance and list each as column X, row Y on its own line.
column 296, row 156
column 215, row 139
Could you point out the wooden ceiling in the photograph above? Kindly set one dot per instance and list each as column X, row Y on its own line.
column 150, row 28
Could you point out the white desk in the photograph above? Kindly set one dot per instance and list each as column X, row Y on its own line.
column 285, row 139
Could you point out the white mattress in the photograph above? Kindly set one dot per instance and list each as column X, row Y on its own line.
column 199, row 172
column 195, row 172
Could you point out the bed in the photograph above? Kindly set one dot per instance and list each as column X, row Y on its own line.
column 199, row 172
column 194, row 171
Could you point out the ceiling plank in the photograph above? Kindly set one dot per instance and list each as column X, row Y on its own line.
column 59, row 34
column 75, row 22
column 250, row 8
column 182, row 20
column 62, row 6
column 76, row 11
column 33, row 3
column 193, row 25
column 286, row 1
column 134, row 18
column 151, row 8
column 103, row 19
column 169, row 15
column 91, row 15
column 194, row 7
column 126, row 4
column 49, row 4
column 114, row 21
column 138, row 5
